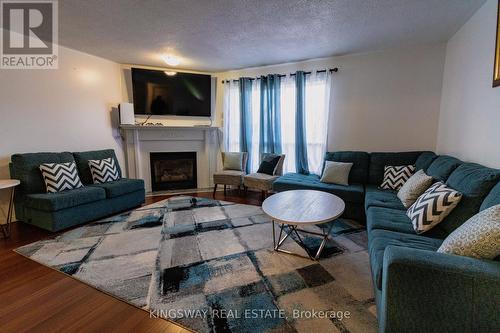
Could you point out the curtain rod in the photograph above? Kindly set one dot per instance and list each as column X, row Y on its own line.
column 291, row 74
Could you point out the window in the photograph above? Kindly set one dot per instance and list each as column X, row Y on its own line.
column 317, row 108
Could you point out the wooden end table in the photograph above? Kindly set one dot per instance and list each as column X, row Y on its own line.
column 299, row 208
column 8, row 184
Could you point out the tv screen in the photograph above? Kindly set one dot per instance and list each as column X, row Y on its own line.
column 182, row 94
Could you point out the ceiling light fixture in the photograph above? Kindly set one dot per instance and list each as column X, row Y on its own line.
column 170, row 73
column 171, row 60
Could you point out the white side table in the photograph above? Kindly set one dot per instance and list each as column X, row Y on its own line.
column 8, row 184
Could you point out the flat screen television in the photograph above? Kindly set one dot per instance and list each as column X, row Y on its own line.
column 183, row 94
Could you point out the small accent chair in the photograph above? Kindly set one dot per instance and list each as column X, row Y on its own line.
column 262, row 181
column 229, row 176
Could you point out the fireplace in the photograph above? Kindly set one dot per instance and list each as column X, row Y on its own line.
column 173, row 171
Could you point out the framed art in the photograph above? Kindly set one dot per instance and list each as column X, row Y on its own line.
column 496, row 70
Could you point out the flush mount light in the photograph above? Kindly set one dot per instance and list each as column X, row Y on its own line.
column 170, row 73
column 171, row 60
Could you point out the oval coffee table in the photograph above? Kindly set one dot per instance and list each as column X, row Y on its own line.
column 299, row 208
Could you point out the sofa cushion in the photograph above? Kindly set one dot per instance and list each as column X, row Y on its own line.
column 395, row 176
column 414, row 187
column 26, row 168
column 360, row 161
column 432, row 207
column 378, row 161
column 120, row 187
column 66, row 199
column 376, row 197
column 82, row 162
column 492, row 199
column 442, row 167
column 478, row 237
column 395, row 220
column 424, row 160
column 336, row 173
column 60, row 177
column 474, row 181
column 380, row 239
column 294, row 181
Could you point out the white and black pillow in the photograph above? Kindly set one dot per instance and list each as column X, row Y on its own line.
column 103, row 171
column 60, row 176
column 433, row 206
column 396, row 175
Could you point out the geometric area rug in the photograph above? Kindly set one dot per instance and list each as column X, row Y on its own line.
column 209, row 266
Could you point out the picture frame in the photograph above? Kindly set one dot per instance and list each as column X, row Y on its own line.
column 496, row 69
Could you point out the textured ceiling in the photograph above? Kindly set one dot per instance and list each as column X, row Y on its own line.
column 216, row 35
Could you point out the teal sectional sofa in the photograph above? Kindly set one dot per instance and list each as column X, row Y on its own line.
column 57, row 211
column 416, row 288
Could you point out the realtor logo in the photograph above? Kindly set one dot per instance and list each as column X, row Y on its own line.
column 29, row 34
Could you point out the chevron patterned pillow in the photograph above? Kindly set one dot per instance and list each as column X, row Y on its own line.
column 433, row 206
column 103, row 171
column 60, row 176
column 396, row 176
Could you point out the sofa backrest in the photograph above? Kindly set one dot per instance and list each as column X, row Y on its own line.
column 442, row 167
column 82, row 162
column 379, row 160
column 492, row 199
column 25, row 167
column 424, row 160
column 360, row 160
column 474, row 181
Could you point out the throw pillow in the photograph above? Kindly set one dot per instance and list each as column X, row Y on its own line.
column 396, row 176
column 478, row 237
column 414, row 187
column 336, row 173
column 103, row 171
column 60, row 176
column 233, row 161
column 268, row 164
column 433, row 206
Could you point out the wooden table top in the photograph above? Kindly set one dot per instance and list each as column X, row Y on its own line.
column 7, row 183
column 303, row 207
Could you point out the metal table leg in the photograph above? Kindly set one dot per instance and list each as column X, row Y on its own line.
column 294, row 229
column 6, row 227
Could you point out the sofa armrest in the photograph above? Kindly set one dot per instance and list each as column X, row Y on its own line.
column 427, row 291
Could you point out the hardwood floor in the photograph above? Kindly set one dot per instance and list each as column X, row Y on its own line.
column 35, row 298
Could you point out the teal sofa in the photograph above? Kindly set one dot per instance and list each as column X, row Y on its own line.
column 57, row 211
column 416, row 288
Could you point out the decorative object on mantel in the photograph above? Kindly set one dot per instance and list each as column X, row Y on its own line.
column 127, row 116
column 8, row 184
column 496, row 72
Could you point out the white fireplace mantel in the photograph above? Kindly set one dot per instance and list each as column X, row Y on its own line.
column 140, row 141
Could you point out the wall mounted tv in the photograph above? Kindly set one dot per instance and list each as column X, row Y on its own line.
column 182, row 94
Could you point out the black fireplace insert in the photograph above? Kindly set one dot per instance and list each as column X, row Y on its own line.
column 173, row 171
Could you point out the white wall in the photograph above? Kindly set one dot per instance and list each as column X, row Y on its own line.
column 382, row 101
column 67, row 109
column 469, row 123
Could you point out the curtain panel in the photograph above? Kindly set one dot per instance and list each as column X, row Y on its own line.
column 246, row 118
column 270, row 114
column 300, row 124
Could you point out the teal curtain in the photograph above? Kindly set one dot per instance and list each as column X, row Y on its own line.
column 300, row 124
column 270, row 109
column 246, row 118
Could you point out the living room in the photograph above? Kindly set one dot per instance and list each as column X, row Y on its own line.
column 250, row 166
